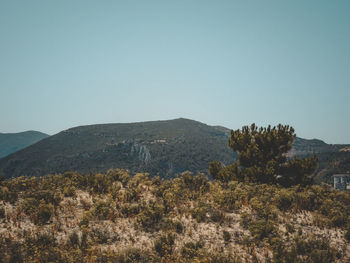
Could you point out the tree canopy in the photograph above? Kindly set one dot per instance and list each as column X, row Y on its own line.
column 262, row 157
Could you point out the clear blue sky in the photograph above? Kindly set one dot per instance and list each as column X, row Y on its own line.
column 230, row 63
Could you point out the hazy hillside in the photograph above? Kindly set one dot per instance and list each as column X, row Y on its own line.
column 159, row 147
column 12, row 142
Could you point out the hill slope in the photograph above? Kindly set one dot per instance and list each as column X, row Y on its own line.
column 332, row 158
column 12, row 142
column 159, row 147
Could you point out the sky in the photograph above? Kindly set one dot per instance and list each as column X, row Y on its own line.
column 231, row 63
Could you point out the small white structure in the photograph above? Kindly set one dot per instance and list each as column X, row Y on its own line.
column 341, row 181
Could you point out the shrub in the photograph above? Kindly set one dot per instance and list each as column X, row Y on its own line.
column 151, row 216
column 103, row 235
column 191, row 250
column 347, row 234
column 263, row 210
column 8, row 196
column 49, row 196
column 74, row 239
column 69, row 191
column 290, row 228
column 30, row 205
column 227, row 236
column 85, row 204
column 44, row 213
column 316, row 249
column 164, row 245
column 216, row 215
column 262, row 228
column 132, row 255
column 245, row 220
column 131, row 195
column 170, row 225
column 84, row 240
column 2, row 212
column 84, row 222
column 284, row 199
column 199, row 213
column 178, row 227
column 102, row 210
column 195, row 184
column 226, row 200
column 129, row 210
column 100, row 184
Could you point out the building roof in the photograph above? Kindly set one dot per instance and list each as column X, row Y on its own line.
column 340, row 175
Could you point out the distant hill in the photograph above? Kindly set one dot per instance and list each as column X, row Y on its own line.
column 332, row 158
column 12, row 142
column 162, row 148
column 158, row 147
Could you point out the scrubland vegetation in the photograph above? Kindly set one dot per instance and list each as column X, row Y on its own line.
column 114, row 217
column 263, row 208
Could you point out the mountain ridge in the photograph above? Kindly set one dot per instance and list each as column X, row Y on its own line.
column 158, row 147
column 164, row 147
column 12, row 142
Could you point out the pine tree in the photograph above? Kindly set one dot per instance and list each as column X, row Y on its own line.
column 262, row 157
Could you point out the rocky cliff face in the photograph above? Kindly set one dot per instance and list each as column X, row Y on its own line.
column 141, row 152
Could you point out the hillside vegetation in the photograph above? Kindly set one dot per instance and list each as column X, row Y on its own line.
column 160, row 148
column 114, row 217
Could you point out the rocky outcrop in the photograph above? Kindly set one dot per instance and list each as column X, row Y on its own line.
column 141, row 152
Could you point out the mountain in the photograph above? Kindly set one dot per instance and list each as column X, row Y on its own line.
column 332, row 158
column 159, row 147
column 12, row 142
column 162, row 148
